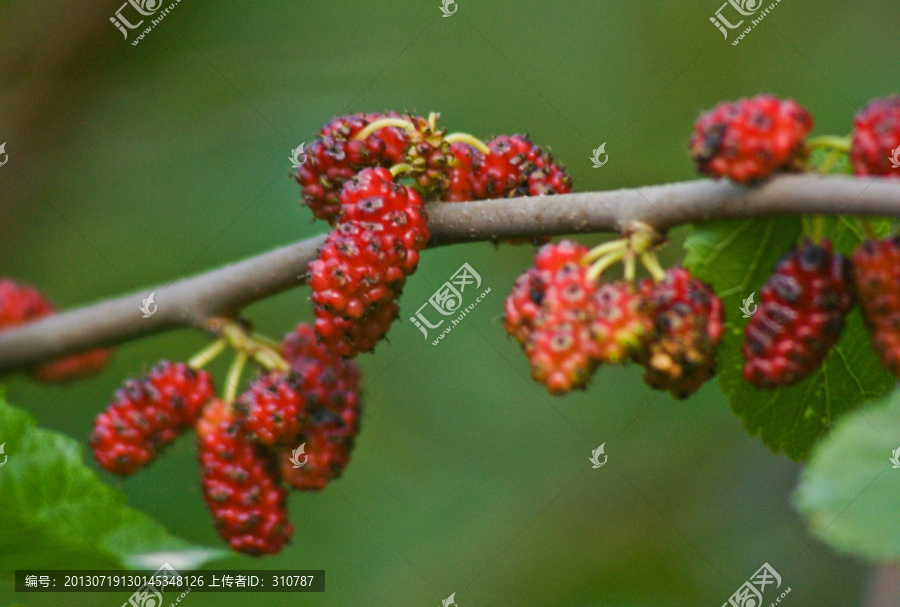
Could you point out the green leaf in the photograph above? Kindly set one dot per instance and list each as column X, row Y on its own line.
column 831, row 162
column 56, row 514
column 736, row 258
column 850, row 490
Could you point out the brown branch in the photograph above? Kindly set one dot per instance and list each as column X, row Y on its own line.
column 884, row 586
column 195, row 301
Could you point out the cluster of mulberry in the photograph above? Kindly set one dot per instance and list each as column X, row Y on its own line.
column 370, row 176
column 293, row 427
column 805, row 304
column 569, row 322
column 750, row 139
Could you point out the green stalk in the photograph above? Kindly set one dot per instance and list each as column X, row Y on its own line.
column 833, row 142
column 651, row 262
column 234, row 377
column 603, row 263
column 207, row 354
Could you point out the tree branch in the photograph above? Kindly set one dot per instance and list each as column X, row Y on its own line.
column 884, row 586
column 196, row 301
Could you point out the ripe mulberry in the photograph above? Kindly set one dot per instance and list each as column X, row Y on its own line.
column 22, row 304
column 72, row 367
column 524, row 303
column 327, row 455
column 518, row 167
column 466, row 162
column 273, row 408
column 336, row 157
column 364, row 263
column 560, row 349
column 147, row 415
column 801, row 314
column 351, row 336
column 332, row 389
column 355, row 270
column 241, row 485
column 751, row 138
column 876, row 134
column 327, row 380
column 876, row 274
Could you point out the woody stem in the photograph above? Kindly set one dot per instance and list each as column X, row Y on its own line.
column 197, row 301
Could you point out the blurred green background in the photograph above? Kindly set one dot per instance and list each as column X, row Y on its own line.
column 133, row 166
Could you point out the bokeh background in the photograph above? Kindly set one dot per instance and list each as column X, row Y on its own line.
column 134, row 166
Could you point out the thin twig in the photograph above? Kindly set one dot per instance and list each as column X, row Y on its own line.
column 200, row 300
